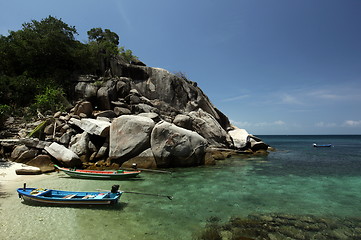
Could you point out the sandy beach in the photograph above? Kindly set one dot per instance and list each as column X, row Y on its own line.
column 9, row 180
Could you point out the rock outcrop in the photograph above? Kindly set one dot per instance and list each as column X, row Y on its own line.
column 141, row 115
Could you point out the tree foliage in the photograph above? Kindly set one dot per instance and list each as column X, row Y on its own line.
column 45, row 54
column 104, row 46
column 41, row 49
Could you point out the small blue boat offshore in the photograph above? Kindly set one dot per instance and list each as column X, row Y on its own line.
column 322, row 145
column 58, row 197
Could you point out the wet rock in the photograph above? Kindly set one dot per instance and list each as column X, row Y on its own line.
column 143, row 160
column 209, row 159
column 256, row 146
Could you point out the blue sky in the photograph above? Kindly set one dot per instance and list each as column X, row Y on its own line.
column 272, row 66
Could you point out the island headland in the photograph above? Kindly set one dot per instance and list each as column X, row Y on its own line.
column 136, row 114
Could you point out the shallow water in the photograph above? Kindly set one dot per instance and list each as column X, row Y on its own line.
column 296, row 180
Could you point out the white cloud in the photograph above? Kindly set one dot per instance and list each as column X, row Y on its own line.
column 324, row 94
column 288, row 99
column 279, row 122
column 323, row 124
column 346, row 92
column 258, row 124
column 352, row 123
column 235, row 98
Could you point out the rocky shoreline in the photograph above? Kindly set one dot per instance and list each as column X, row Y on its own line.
column 283, row 226
column 138, row 114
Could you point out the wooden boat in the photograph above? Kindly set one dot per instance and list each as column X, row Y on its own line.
column 118, row 174
column 322, row 145
column 58, row 197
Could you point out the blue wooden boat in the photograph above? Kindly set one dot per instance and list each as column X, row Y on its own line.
column 58, row 197
column 96, row 174
column 322, row 145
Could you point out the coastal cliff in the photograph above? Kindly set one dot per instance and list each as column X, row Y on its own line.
column 135, row 114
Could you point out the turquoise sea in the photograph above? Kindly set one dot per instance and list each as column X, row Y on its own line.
column 298, row 191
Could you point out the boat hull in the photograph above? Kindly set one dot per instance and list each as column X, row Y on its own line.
column 57, row 197
column 324, row 145
column 92, row 174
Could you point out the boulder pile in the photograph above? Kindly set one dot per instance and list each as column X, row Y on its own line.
column 141, row 115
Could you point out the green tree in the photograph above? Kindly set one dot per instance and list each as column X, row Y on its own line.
column 104, row 45
column 127, row 55
column 98, row 35
column 44, row 48
column 45, row 53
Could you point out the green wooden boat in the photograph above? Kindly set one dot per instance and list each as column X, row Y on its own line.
column 97, row 174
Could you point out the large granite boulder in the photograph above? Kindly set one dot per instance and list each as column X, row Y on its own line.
column 22, row 154
column 144, row 160
column 240, row 137
column 173, row 146
column 92, row 126
column 106, row 94
column 183, row 121
column 208, row 127
column 18, row 150
column 79, row 144
column 257, row 144
column 43, row 162
column 129, row 136
column 86, row 89
column 27, row 155
column 64, row 155
column 83, row 107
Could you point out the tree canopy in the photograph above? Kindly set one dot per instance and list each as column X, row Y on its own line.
column 45, row 54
